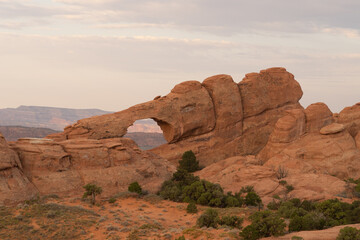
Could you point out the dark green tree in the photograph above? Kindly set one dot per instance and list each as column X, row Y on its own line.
column 91, row 190
column 189, row 162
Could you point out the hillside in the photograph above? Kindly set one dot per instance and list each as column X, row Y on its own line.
column 44, row 117
column 13, row 133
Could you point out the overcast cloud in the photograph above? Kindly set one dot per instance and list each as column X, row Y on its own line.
column 112, row 54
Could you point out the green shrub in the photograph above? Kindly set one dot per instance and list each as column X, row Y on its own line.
column 252, row 199
column 231, row 221
column 264, row 224
column 135, row 187
column 297, row 238
column 273, row 205
column 191, row 208
column 311, row 221
column 209, row 218
column 112, row 200
column 181, row 238
column 283, row 182
column 91, row 190
column 188, row 162
column 289, row 188
column 349, row 233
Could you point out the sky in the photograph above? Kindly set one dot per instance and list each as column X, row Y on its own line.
column 112, row 54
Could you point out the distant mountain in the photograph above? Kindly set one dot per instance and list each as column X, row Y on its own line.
column 13, row 133
column 44, row 117
column 145, row 126
column 147, row 141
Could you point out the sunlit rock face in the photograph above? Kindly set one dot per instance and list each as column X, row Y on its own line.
column 217, row 118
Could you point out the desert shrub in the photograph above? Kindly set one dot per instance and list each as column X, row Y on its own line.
column 191, row 208
column 231, row 221
column 297, row 238
column 92, row 190
column 289, row 210
column 170, row 190
column 209, row 218
column 252, row 199
column 273, row 205
column 264, row 224
column 231, row 201
column 189, row 162
column 181, row 238
column 281, row 172
column 349, row 233
column 185, row 187
column 283, row 182
column 247, row 189
column 289, row 188
column 307, row 205
column 311, row 221
column 112, row 200
column 135, row 187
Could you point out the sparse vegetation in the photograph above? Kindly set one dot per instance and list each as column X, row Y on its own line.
column 91, row 190
column 281, row 172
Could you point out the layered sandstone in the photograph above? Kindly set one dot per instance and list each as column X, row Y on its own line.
column 14, row 186
column 63, row 167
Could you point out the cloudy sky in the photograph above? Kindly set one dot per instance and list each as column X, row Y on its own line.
column 112, row 54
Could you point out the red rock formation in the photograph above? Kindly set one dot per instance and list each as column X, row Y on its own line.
column 14, row 186
column 350, row 118
column 215, row 119
column 64, row 167
column 237, row 172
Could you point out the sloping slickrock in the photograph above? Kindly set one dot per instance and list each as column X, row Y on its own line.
column 318, row 115
column 14, row 186
column 64, row 167
column 335, row 155
column 326, row 234
column 237, row 172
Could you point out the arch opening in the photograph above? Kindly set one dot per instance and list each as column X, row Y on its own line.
column 147, row 133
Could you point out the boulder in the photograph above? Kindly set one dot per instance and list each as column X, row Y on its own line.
column 332, row 129
column 318, row 115
column 350, row 118
column 269, row 89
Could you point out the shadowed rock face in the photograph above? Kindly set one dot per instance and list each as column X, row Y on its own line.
column 14, row 186
column 216, row 119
